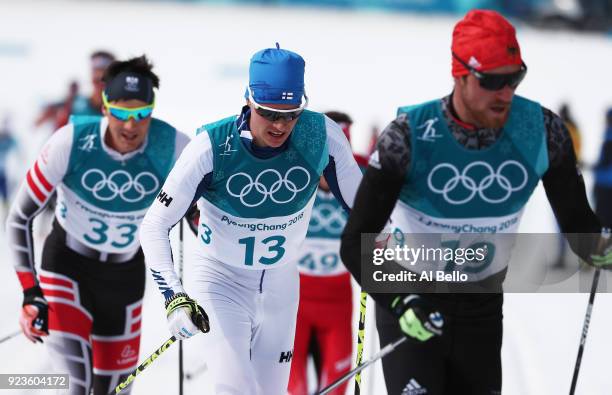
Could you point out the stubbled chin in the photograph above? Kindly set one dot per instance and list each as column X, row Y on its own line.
column 496, row 120
column 128, row 143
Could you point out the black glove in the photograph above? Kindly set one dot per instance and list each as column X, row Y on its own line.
column 417, row 318
column 34, row 319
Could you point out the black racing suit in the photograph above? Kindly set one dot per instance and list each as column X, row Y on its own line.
column 95, row 308
column 466, row 358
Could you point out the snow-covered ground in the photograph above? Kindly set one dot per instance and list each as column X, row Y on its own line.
column 364, row 63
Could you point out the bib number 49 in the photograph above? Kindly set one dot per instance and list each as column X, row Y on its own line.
column 275, row 247
column 325, row 264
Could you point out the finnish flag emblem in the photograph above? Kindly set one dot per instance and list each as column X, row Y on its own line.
column 287, row 96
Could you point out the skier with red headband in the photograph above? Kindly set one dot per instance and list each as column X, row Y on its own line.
column 481, row 128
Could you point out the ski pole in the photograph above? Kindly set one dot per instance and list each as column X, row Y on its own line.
column 360, row 338
column 121, row 386
column 381, row 354
column 180, row 265
column 605, row 235
column 9, row 336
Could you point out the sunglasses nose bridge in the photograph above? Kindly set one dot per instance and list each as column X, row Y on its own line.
column 130, row 123
column 274, row 117
column 505, row 93
column 126, row 114
column 284, row 118
column 137, row 117
column 282, row 124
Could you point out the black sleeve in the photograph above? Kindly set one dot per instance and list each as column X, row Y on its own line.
column 376, row 197
column 565, row 189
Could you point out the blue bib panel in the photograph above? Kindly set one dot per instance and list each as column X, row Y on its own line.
column 255, row 212
column 328, row 218
column 454, row 197
column 119, row 186
column 320, row 252
column 448, row 180
column 245, row 186
column 102, row 201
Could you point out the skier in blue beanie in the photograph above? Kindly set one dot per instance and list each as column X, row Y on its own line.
column 254, row 177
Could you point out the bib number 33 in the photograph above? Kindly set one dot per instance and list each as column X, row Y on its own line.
column 124, row 234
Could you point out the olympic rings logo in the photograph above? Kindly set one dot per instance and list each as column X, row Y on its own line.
column 119, row 183
column 281, row 190
column 327, row 217
column 467, row 182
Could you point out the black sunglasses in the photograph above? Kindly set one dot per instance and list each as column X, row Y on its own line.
column 495, row 82
column 274, row 116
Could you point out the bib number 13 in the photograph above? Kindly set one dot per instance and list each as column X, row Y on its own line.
column 274, row 244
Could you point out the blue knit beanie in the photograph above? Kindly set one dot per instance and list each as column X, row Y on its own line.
column 276, row 76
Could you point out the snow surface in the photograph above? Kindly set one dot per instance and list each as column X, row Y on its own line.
column 364, row 63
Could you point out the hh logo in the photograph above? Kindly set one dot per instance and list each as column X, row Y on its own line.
column 287, row 96
column 286, row 356
column 429, row 133
column 164, row 198
column 87, row 143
